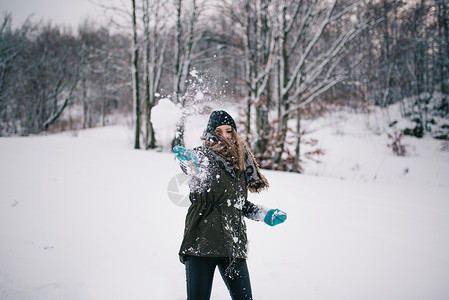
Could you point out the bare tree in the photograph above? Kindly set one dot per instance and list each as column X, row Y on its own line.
column 442, row 59
column 187, row 37
column 302, row 40
column 135, row 78
column 48, row 76
column 10, row 45
column 259, row 54
column 154, row 49
column 308, row 67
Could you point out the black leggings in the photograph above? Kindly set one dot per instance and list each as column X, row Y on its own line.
column 200, row 275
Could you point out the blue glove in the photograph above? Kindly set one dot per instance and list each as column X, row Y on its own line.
column 275, row 217
column 187, row 157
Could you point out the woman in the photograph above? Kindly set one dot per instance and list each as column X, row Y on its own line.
column 221, row 173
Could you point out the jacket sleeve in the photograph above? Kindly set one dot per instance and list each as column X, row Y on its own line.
column 184, row 169
column 254, row 212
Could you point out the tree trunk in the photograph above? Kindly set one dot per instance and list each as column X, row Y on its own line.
column 180, row 128
column 178, row 67
column 146, row 58
column 296, row 163
column 263, row 100
column 284, row 105
column 183, row 64
column 443, row 52
column 85, row 105
column 135, row 79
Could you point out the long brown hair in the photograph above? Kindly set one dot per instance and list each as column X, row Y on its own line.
column 230, row 149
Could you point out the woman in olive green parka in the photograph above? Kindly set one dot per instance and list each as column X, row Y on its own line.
column 220, row 174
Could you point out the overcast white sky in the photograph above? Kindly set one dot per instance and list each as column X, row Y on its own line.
column 68, row 12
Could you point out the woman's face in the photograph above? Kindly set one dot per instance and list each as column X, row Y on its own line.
column 225, row 131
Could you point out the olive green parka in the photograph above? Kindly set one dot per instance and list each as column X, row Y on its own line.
column 215, row 225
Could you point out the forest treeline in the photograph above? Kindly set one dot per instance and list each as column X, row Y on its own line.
column 277, row 58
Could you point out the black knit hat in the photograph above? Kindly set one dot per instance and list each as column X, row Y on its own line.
column 218, row 118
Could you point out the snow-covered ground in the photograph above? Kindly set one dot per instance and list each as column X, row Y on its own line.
column 356, row 149
column 86, row 217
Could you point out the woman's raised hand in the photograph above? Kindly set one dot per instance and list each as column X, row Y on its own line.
column 187, row 157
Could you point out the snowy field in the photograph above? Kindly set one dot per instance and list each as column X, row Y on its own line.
column 85, row 217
